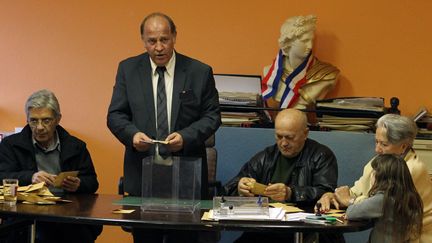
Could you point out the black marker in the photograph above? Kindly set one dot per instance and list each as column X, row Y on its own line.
column 318, row 206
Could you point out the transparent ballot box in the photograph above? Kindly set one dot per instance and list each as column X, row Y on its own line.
column 238, row 206
column 172, row 184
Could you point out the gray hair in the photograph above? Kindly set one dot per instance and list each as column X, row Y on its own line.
column 398, row 128
column 43, row 99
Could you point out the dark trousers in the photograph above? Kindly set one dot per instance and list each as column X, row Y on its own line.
column 164, row 236
column 13, row 230
column 55, row 232
column 256, row 237
column 62, row 232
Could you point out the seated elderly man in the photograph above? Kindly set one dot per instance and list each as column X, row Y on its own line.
column 41, row 151
column 296, row 169
column 395, row 134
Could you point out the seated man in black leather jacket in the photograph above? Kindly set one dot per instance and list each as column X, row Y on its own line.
column 296, row 169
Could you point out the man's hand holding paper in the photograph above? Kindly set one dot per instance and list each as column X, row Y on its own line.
column 245, row 185
column 141, row 142
column 67, row 180
column 71, row 183
column 250, row 187
column 175, row 142
column 278, row 192
column 42, row 176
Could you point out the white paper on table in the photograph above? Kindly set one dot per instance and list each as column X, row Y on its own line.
column 297, row 216
column 274, row 214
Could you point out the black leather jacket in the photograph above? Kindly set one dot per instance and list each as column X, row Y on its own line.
column 315, row 172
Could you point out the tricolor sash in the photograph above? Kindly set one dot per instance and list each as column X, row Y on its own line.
column 294, row 81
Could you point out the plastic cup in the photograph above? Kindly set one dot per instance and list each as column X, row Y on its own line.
column 10, row 187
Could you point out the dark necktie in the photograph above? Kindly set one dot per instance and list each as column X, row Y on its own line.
column 162, row 116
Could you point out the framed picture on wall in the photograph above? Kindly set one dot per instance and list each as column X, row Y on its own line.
column 239, row 90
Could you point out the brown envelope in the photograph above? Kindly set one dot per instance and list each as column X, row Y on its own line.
column 33, row 187
column 60, row 177
column 287, row 208
column 258, row 188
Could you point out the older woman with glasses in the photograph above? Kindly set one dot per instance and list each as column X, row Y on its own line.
column 395, row 134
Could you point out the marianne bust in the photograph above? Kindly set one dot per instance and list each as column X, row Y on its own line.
column 296, row 79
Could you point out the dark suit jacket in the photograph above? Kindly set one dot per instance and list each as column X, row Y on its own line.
column 195, row 110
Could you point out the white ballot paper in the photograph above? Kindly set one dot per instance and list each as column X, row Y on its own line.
column 274, row 214
column 297, row 216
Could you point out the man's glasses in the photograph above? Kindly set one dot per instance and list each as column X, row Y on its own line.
column 33, row 122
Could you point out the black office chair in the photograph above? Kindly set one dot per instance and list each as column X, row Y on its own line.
column 215, row 186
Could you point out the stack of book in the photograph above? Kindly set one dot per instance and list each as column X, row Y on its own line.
column 349, row 113
column 327, row 122
column 424, row 122
column 235, row 110
column 240, row 99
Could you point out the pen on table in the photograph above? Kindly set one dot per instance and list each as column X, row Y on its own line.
column 259, row 202
column 340, row 221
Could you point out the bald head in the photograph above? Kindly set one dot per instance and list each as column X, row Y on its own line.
column 291, row 117
column 291, row 132
column 172, row 26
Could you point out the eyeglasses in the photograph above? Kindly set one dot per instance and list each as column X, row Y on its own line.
column 33, row 122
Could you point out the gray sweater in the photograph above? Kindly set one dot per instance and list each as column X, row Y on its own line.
column 372, row 208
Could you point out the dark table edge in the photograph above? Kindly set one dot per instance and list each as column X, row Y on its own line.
column 255, row 226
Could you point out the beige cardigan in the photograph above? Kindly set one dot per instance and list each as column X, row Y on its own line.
column 422, row 181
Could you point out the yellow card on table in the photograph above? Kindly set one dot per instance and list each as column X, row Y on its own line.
column 34, row 187
column 287, row 208
column 335, row 213
column 207, row 216
column 60, row 177
column 122, row 211
column 23, row 188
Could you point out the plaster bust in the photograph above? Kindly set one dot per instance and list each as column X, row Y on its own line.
column 296, row 78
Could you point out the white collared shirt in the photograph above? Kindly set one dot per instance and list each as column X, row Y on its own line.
column 169, row 83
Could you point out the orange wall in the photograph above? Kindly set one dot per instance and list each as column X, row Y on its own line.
column 73, row 48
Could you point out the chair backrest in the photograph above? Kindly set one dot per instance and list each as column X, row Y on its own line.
column 215, row 186
column 211, row 157
column 236, row 145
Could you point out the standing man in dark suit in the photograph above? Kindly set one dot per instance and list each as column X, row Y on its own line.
column 192, row 106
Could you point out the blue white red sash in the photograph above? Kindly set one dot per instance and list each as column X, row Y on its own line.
column 294, row 81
